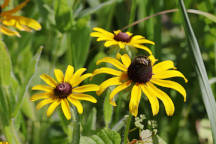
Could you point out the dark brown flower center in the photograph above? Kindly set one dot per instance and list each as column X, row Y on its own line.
column 63, row 90
column 124, row 37
column 140, row 70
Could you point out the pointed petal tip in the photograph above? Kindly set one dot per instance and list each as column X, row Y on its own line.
column 113, row 103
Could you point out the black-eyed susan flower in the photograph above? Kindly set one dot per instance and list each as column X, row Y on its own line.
column 121, row 39
column 65, row 89
column 19, row 22
column 142, row 74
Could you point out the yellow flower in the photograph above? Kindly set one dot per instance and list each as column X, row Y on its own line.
column 19, row 22
column 142, row 73
column 121, row 39
column 65, row 89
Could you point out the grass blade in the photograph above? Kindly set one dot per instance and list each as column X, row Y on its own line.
column 207, row 94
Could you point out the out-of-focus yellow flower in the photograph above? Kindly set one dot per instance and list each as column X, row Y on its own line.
column 121, row 39
column 65, row 89
column 19, row 22
column 142, row 73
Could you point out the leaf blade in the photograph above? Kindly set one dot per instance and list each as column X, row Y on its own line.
column 207, row 94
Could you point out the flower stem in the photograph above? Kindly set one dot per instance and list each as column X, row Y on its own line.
column 76, row 127
column 127, row 129
column 132, row 14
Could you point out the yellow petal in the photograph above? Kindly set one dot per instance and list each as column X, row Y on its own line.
column 126, row 60
column 169, row 74
column 96, row 34
column 110, row 82
column 163, row 66
column 141, row 41
column 30, row 23
column 77, row 104
column 69, row 73
column 66, row 108
column 52, row 107
column 107, row 71
column 14, row 22
column 118, row 56
column 86, row 88
column 83, row 97
column 41, row 96
column 110, row 43
column 135, row 100
column 152, row 59
column 44, row 102
column 172, row 85
column 104, row 39
column 59, row 75
column 117, row 90
column 82, row 78
column 168, row 104
column 152, row 99
column 128, row 33
column 21, row 23
column 8, row 32
column 77, row 75
column 142, row 47
column 112, row 61
column 43, row 88
column 103, row 31
column 121, row 44
column 138, row 37
column 117, row 32
column 49, row 80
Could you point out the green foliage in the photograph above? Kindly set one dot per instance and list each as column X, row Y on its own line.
column 105, row 136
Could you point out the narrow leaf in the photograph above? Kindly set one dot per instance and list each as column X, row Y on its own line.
column 5, row 65
column 207, row 94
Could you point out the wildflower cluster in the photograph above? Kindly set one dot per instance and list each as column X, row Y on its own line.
column 141, row 74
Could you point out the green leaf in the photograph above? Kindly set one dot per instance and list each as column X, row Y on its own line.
column 105, row 136
column 207, row 94
column 5, row 65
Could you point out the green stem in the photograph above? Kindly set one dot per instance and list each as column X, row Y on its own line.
column 118, row 109
column 127, row 129
column 132, row 14
column 76, row 127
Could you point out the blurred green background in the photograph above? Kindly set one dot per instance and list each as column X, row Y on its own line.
column 66, row 25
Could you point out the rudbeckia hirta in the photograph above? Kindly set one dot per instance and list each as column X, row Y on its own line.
column 121, row 39
column 19, row 22
column 142, row 74
column 65, row 89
